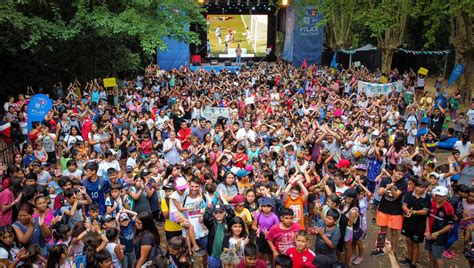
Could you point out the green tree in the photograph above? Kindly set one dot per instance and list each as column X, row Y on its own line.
column 387, row 21
column 54, row 39
column 339, row 19
column 457, row 16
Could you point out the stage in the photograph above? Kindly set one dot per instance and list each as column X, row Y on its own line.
column 216, row 68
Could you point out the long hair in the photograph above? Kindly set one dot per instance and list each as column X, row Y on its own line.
column 54, row 255
column 148, row 225
column 237, row 220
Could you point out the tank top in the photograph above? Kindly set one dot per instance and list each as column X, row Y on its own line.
column 111, row 249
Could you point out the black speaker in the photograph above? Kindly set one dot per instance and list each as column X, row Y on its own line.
column 214, row 62
column 196, row 63
column 228, row 63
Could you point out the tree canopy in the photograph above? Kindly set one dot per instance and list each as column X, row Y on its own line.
column 45, row 39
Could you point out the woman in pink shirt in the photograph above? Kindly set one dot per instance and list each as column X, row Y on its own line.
column 8, row 201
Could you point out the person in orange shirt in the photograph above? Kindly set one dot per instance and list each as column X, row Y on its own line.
column 294, row 197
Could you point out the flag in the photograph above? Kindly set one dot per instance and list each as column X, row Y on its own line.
column 5, row 131
column 305, row 64
column 455, row 73
column 333, row 62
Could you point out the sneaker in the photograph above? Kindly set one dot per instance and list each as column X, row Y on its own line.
column 406, row 261
column 377, row 252
column 452, row 253
column 200, row 252
column 447, row 255
column 353, row 258
column 358, row 260
column 373, row 221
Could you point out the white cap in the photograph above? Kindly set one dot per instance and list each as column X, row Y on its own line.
column 441, row 191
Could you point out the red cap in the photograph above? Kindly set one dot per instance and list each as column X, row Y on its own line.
column 238, row 199
column 343, row 163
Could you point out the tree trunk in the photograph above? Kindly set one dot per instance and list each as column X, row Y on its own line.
column 467, row 78
column 387, row 55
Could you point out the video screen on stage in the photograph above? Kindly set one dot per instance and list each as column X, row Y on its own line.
column 226, row 32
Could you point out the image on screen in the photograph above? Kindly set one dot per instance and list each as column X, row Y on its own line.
column 226, row 31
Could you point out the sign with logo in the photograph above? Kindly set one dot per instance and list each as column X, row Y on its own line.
column 38, row 107
column 213, row 113
column 372, row 89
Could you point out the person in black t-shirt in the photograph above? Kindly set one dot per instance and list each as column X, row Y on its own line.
column 389, row 215
column 438, row 226
column 416, row 206
column 437, row 120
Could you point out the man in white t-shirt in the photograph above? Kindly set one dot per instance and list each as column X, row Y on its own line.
column 109, row 162
column 246, row 135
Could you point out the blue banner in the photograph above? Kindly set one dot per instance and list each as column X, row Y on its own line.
column 290, row 27
column 38, row 107
column 308, row 38
column 455, row 73
column 175, row 55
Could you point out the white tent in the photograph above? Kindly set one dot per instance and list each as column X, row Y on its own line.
column 367, row 47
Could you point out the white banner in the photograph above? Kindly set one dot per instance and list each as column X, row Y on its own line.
column 213, row 113
column 371, row 89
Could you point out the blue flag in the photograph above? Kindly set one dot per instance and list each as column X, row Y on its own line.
column 455, row 73
column 333, row 62
column 38, row 107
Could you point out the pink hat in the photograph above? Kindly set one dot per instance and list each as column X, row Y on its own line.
column 238, row 199
column 181, row 184
column 249, row 168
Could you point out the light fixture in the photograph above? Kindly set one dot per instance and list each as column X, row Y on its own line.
column 201, row 2
column 285, row 3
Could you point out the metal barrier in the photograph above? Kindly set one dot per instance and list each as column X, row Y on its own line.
column 7, row 151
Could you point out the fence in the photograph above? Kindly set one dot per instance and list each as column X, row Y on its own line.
column 7, row 151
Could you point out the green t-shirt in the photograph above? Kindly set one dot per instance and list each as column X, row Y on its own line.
column 63, row 161
column 218, row 241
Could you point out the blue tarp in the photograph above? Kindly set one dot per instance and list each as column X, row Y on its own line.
column 217, row 69
column 176, row 55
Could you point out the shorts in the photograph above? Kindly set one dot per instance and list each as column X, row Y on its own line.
column 435, row 250
column 214, row 262
column 171, row 234
column 391, row 221
column 415, row 237
column 420, row 88
column 202, row 242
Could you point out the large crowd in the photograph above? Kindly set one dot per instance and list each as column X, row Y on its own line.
column 139, row 177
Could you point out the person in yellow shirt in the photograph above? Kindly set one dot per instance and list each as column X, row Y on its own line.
column 172, row 229
column 240, row 211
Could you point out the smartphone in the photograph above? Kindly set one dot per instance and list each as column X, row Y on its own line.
column 381, row 240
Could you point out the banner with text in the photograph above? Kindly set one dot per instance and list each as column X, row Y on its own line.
column 371, row 89
column 307, row 36
column 37, row 109
column 213, row 113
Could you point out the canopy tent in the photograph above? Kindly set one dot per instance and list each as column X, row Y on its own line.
column 367, row 47
column 444, row 53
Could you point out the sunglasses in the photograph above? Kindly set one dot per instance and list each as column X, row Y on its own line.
column 266, row 206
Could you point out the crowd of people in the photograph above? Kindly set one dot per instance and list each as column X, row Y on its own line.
column 139, row 177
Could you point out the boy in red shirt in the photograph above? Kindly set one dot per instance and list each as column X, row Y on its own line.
column 281, row 237
column 301, row 256
column 251, row 259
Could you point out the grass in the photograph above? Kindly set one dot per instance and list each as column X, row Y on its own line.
column 236, row 24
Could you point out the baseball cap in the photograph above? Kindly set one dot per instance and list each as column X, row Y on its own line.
column 241, row 173
column 129, row 169
column 238, row 199
column 343, row 163
column 218, row 207
column 407, row 161
column 180, row 184
column 351, row 192
column 124, row 216
column 108, row 218
column 441, row 191
column 168, row 186
column 266, row 201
